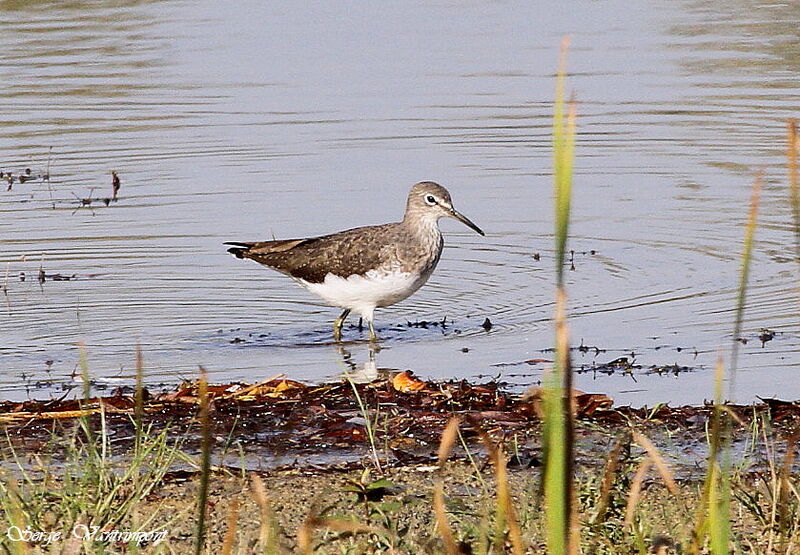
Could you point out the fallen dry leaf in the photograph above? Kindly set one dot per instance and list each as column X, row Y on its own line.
column 405, row 382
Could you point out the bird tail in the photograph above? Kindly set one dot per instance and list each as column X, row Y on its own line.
column 239, row 250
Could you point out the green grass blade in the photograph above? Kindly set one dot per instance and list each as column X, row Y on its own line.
column 563, row 155
column 557, row 418
column 717, row 490
column 744, row 276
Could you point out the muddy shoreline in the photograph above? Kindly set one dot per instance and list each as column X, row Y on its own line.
column 283, row 424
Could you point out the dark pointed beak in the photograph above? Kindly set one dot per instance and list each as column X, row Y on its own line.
column 466, row 221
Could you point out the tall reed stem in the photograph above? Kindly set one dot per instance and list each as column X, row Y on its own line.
column 557, row 401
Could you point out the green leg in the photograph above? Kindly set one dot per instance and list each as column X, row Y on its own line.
column 337, row 325
column 372, row 335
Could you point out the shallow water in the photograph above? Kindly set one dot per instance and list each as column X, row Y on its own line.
column 240, row 123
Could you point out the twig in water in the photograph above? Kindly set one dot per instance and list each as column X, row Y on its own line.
column 85, row 201
column 46, row 177
column 115, row 185
column 5, row 288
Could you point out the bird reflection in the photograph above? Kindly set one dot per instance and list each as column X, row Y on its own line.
column 363, row 372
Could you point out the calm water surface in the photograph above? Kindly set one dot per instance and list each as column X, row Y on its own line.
column 247, row 120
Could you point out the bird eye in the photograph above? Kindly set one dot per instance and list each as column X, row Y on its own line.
column 430, row 199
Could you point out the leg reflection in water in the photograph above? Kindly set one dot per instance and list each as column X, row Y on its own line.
column 366, row 371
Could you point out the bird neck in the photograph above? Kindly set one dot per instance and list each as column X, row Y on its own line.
column 423, row 225
column 423, row 244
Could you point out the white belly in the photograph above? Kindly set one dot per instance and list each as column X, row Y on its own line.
column 364, row 293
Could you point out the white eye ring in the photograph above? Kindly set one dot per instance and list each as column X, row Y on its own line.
column 430, row 199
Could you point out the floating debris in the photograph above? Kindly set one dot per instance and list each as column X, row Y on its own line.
column 765, row 336
column 621, row 364
column 59, row 277
column 425, row 324
column 674, row 369
column 586, row 348
column 24, row 176
column 115, row 185
column 87, row 201
column 572, row 254
column 580, row 348
column 42, row 276
column 4, row 287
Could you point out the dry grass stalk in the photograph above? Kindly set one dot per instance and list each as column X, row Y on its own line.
column 658, row 461
column 205, row 462
column 636, row 489
column 344, row 526
column 139, row 393
column 506, row 514
column 266, row 538
column 792, row 153
column 442, row 525
column 609, row 476
column 449, row 436
column 305, row 536
column 67, row 414
column 733, row 416
column 784, row 485
column 305, row 533
column 772, row 485
column 230, row 527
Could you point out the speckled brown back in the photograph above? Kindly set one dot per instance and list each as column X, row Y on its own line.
column 355, row 251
